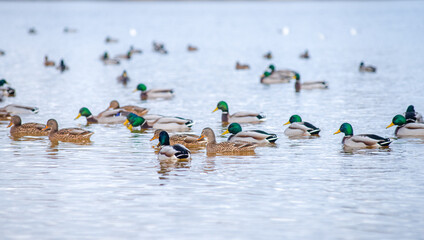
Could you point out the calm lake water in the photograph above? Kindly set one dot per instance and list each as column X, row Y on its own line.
column 115, row 188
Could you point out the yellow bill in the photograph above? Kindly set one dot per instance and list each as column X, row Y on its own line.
column 153, row 138
column 10, row 124
column 287, row 123
column 338, row 131
column 226, row 131
column 390, row 125
column 201, row 137
column 135, row 90
column 216, row 109
column 79, row 115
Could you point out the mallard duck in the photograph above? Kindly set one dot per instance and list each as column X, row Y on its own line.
column 412, row 116
column 69, row 30
column 62, row 67
column 271, row 76
column 128, row 55
column 361, row 140
column 166, row 123
column 369, row 68
column 251, row 136
column 32, row 31
column 171, row 152
column 111, row 40
column 107, row 60
column 405, row 129
column 6, row 90
column 240, row 66
column 2, row 53
column 213, row 147
column 133, row 50
column 191, row 48
column 160, row 48
column 113, row 105
column 240, row 117
column 124, row 79
column 308, row 85
column 27, row 129
column 299, row 128
column 107, row 117
column 153, row 93
column 18, row 109
column 188, row 140
column 268, row 55
column 66, row 134
column 48, row 63
column 5, row 115
column 305, row 55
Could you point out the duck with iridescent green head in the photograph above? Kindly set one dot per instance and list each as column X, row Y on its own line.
column 239, row 117
column 188, row 140
column 154, row 93
column 361, row 140
column 412, row 116
column 171, row 152
column 407, row 129
column 272, row 76
column 299, row 128
column 250, row 136
column 6, row 90
column 109, row 117
column 107, row 60
column 128, row 55
column 165, row 123
column 308, row 85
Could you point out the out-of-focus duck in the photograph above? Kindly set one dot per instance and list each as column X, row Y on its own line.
column 69, row 30
column 113, row 105
column 308, row 85
column 361, row 140
column 407, row 129
column 107, row 60
column 124, row 79
column 108, row 117
column 268, row 55
column 299, row 128
column 240, row 66
column 47, row 62
column 62, row 67
column 305, row 55
column 18, row 109
column 272, row 76
column 364, row 68
column 412, row 116
column 6, row 90
column 134, row 50
column 128, row 55
column 239, row 117
column 159, row 47
column 191, row 48
column 111, row 40
column 154, row 93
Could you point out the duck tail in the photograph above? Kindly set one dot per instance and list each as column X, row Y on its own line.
column 189, row 123
column 272, row 138
column 385, row 142
column 35, row 110
column 261, row 117
column 182, row 152
column 314, row 131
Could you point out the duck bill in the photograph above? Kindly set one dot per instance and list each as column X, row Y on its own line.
column 201, row 137
column 287, row 123
column 226, row 131
column 135, row 90
column 79, row 115
column 10, row 124
column 153, row 138
column 126, row 122
column 338, row 131
column 45, row 129
column 216, row 109
column 390, row 125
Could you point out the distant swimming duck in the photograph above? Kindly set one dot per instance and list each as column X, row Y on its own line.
column 160, row 48
column 308, row 85
column 251, row 136
column 191, row 48
column 268, row 55
column 66, row 134
column 405, row 129
column 299, row 128
column 240, row 66
column 224, row 147
column 154, row 93
column 361, row 140
column 69, row 30
column 134, row 50
column 128, row 55
column 62, row 67
column 107, row 60
column 111, row 40
column 5, row 115
column 48, row 63
column 171, row 152
column 239, row 117
column 2, row 53
column 18, row 109
column 6, row 90
column 271, row 76
column 369, row 68
column 108, row 117
column 412, row 116
column 165, row 123
column 188, row 140
column 28, row 129
column 124, row 79
column 113, row 105
column 32, row 31
column 305, row 55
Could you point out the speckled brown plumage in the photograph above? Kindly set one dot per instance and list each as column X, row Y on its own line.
column 28, row 129
column 67, row 134
column 213, row 147
column 140, row 111
column 188, row 140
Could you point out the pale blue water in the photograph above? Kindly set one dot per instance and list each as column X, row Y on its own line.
column 115, row 188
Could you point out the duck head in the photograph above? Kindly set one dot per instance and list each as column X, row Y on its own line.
column 222, row 105
column 397, row 120
column 294, row 118
column 345, row 128
column 233, row 128
column 83, row 112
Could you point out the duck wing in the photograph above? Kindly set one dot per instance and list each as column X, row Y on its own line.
column 311, row 128
column 371, row 139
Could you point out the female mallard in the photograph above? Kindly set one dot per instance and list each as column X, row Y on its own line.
column 124, row 79
column 369, row 68
column 240, row 117
column 191, row 48
column 66, row 134
column 405, row 129
column 229, row 147
column 308, row 85
column 107, row 117
column 361, row 140
column 27, row 129
column 5, row 115
column 171, row 152
column 188, row 140
column 114, row 105
column 299, row 128
column 166, row 123
column 251, row 136
column 48, row 63
column 18, row 109
column 412, row 116
column 153, row 93
column 241, row 66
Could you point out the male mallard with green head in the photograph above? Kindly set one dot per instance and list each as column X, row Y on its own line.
column 299, row 128
column 405, row 128
column 361, row 140
column 250, row 136
column 240, row 117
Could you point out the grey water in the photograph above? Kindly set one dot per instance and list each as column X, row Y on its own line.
column 115, row 188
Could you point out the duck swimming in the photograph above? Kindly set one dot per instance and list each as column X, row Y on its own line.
column 251, row 136
column 113, row 105
column 107, row 60
column 107, row 117
column 27, row 129
column 188, row 140
column 6, row 90
column 268, row 55
column 412, row 116
column 239, row 117
column 272, row 76
column 124, row 79
column 18, row 109
column 240, row 66
column 171, row 152
column 66, row 134
column 62, row 67
column 308, row 85
column 407, row 129
column 361, row 140
column 191, row 48
column 48, row 63
column 364, row 68
column 224, row 147
column 165, row 123
column 299, row 128
column 305, row 55
column 154, row 93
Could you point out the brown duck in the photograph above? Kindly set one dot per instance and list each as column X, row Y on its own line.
column 27, row 129
column 66, row 134
column 188, row 140
column 224, row 147
column 140, row 111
